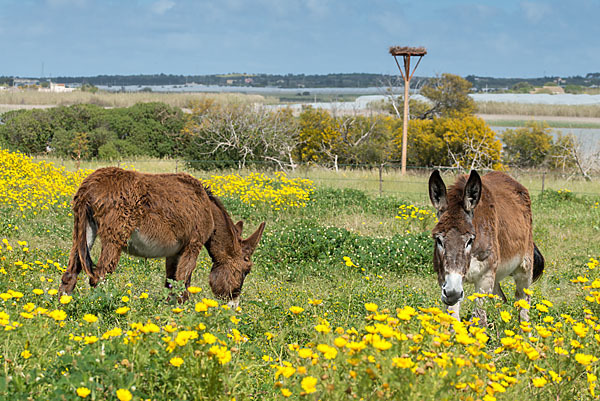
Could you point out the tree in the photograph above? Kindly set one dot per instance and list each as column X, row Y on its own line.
column 471, row 143
column 449, row 95
column 424, row 147
column 346, row 139
column 417, row 109
column 528, row 146
column 464, row 141
column 79, row 147
column 522, row 87
column 568, row 152
column 240, row 133
column 317, row 136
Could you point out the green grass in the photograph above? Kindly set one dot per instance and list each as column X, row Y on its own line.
column 301, row 257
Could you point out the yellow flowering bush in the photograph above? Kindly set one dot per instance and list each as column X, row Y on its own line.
column 33, row 186
column 279, row 193
column 414, row 218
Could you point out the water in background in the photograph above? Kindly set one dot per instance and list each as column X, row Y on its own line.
column 588, row 137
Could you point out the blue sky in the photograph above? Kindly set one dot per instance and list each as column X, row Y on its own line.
column 507, row 38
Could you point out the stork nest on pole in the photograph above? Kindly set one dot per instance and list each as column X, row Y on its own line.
column 407, row 51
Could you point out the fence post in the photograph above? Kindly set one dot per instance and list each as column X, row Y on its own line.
column 176, row 165
column 543, row 181
column 380, row 180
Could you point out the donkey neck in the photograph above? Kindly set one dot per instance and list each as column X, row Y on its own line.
column 223, row 244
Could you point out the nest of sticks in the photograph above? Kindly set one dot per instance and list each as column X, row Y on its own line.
column 407, row 51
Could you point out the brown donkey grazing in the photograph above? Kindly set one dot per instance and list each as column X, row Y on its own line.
column 483, row 235
column 157, row 216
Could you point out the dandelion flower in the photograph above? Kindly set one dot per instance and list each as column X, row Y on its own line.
column 176, row 361
column 539, row 381
column 90, row 318
column 65, row 299
column 83, row 392
column 124, row 395
column 309, row 384
column 122, row 310
column 296, row 310
column 584, row 359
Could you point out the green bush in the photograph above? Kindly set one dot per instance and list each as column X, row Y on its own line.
column 304, row 244
column 148, row 129
column 528, row 146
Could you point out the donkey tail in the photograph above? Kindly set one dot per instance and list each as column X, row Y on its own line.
column 538, row 263
column 83, row 219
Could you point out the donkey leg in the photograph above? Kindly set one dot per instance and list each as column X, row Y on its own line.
column 107, row 262
column 498, row 291
column 523, row 278
column 171, row 265
column 485, row 285
column 185, row 267
column 454, row 310
column 69, row 278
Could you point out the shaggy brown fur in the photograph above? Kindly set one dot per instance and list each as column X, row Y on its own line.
column 157, row 215
column 484, row 234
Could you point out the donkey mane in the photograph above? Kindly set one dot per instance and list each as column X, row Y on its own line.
column 219, row 204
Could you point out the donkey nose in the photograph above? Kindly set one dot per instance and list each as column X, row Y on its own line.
column 451, row 296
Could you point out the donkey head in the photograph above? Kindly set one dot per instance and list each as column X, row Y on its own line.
column 454, row 234
column 226, row 279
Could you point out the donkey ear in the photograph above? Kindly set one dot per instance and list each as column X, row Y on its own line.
column 472, row 192
column 250, row 243
column 239, row 226
column 437, row 192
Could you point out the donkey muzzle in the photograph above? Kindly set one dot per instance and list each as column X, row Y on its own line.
column 452, row 290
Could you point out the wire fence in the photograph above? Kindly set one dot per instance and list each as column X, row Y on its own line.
column 378, row 179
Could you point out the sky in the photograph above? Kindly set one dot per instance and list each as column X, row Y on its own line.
column 506, row 38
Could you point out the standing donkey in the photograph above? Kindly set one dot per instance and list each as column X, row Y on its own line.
column 168, row 216
column 483, row 235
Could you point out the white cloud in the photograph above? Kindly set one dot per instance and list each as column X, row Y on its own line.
column 162, row 6
column 535, row 12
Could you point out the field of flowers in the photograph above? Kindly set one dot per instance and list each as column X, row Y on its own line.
column 344, row 311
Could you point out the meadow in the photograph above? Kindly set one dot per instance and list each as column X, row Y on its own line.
column 117, row 99
column 526, row 109
column 342, row 303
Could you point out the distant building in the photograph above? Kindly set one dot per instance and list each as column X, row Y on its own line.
column 57, row 88
column 25, row 82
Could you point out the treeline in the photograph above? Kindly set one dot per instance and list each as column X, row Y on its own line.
column 513, row 84
column 238, row 135
column 350, row 80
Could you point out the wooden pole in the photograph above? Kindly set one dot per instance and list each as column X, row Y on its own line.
column 406, row 116
column 381, row 180
column 406, row 73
